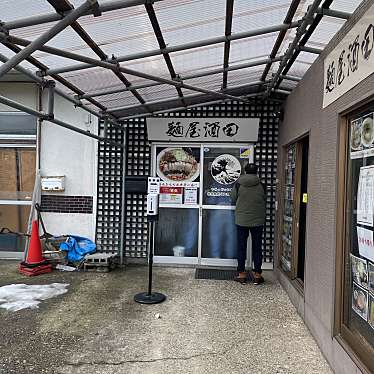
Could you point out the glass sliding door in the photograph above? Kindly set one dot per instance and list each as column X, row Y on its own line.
column 196, row 222
column 222, row 166
column 177, row 229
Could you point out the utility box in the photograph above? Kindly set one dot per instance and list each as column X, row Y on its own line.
column 53, row 183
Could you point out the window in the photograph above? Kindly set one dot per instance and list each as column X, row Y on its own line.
column 355, row 250
column 17, row 178
column 293, row 210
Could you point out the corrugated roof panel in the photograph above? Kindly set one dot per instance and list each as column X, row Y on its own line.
column 118, row 100
column 325, row 31
column 203, row 58
column 24, row 8
column 161, row 92
column 190, row 20
column 210, row 82
column 151, row 65
column 345, row 5
column 95, row 79
column 243, row 50
column 256, row 14
column 244, row 76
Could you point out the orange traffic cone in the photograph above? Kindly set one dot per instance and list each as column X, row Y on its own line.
column 34, row 263
column 34, row 254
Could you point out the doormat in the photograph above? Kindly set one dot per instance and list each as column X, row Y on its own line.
column 216, row 274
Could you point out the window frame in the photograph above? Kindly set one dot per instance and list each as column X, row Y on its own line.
column 292, row 273
column 362, row 353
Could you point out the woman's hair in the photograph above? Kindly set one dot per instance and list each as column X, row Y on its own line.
column 250, row 169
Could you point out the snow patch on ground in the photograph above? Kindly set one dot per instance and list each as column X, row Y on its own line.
column 20, row 296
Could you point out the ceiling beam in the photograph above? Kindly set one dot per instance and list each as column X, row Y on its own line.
column 161, row 42
column 282, row 34
column 63, row 6
column 183, row 78
column 47, row 36
column 294, row 46
column 228, row 28
column 114, row 67
column 312, row 27
column 183, row 47
column 316, row 51
column 334, row 13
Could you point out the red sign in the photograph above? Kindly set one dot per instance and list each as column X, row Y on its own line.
column 171, row 190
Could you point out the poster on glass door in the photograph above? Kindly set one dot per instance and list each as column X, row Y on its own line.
column 222, row 167
column 179, row 170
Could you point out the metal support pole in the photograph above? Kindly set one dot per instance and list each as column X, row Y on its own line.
column 316, row 51
column 290, row 78
column 50, row 86
column 14, row 104
column 333, row 13
column 183, row 47
column 150, row 297
column 123, row 200
column 44, row 38
column 294, row 45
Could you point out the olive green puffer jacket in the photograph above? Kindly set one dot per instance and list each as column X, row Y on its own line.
column 249, row 196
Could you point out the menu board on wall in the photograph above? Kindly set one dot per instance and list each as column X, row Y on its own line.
column 365, row 243
column 171, row 195
column 362, row 137
column 190, row 195
column 365, row 196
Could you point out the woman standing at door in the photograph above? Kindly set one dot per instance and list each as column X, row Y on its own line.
column 250, row 200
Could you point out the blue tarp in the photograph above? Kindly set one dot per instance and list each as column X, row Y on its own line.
column 77, row 247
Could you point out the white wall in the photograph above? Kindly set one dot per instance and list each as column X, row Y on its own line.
column 24, row 93
column 64, row 152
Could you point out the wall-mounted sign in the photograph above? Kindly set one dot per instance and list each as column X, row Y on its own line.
column 351, row 61
column 365, row 243
column 190, row 195
column 171, row 195
column 365, row 196
column 203, row 129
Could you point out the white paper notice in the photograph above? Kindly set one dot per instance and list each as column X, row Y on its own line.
column 190, row 195
column 365, row 243
column 365, row 196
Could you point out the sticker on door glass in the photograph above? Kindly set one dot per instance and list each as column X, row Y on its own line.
column 177, row 164
column 226, row 169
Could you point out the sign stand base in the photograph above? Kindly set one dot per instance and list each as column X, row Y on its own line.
column 152, row 298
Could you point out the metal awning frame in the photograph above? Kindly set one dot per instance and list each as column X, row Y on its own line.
column 66, row 15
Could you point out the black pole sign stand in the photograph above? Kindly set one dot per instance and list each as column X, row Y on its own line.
column 150, row 297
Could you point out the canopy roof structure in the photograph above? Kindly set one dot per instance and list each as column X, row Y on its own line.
column 134, row 58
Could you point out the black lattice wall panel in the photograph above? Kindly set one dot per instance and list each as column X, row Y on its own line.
column 138, row 164
column 109, row 192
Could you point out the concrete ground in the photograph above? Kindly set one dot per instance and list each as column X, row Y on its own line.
column 204, row 327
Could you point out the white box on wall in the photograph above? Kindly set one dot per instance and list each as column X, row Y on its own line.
column 56, row 183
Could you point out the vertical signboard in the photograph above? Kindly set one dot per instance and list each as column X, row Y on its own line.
column 351, row 61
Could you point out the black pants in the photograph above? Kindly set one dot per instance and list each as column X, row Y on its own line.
column 256, row 235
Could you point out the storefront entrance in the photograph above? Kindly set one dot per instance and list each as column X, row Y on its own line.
column 196, row 221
